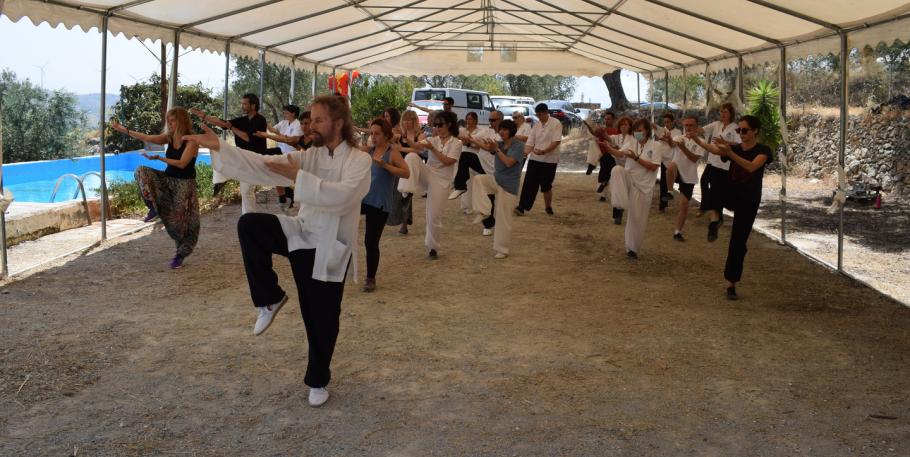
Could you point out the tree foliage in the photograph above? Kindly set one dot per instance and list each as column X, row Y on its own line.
column 371, row 95
column 38, row 124
column 276, row 87
column 138, row 109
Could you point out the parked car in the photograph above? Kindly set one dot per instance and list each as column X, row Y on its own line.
column 465, row 101
column 658, row 106
column 583, row 113
column 499, row 100
column 526, row 111
column 565, row 113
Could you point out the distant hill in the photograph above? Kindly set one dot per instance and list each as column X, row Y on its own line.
column 90, row 104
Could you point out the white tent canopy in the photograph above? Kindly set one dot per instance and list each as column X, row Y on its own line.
column 558, row 37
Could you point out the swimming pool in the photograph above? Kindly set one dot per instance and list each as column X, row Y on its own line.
column 34, row 181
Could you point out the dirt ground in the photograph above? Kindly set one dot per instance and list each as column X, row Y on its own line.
column 565, row 348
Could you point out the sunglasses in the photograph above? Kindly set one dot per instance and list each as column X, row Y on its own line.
column 741, row 131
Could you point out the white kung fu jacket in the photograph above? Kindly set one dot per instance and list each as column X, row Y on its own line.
column 329, row 189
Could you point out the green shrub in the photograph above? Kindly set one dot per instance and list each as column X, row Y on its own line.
column 764, row 103
column 125, row 200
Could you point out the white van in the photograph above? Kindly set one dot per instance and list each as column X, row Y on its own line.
column 499, row 100
column 465, row 101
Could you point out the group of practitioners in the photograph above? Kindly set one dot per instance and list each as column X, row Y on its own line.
column 335, row 178
column 634, row 156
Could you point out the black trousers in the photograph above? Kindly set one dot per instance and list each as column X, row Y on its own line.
column 607, row 162
column 718, row 182
column 375, row 223
column 320, row 301
column 467, row 162
column 538, row 177
column 663, row 187
column 745, row 208
column 703, row 186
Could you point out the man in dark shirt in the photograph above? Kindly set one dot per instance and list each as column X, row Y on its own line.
column 243, row 128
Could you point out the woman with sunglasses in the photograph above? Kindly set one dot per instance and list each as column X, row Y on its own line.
column 436, row 175
column 623, row 141
column 715, row 177
column 633, row 184
column 747, row 160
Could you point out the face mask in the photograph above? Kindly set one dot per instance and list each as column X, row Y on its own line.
column 639, row 136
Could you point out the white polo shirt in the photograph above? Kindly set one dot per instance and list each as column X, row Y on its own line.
column 667, row 150
column 729, row 134
column 288, row 129
column 542, row 136
column 640, row 177
column 486, row 159
column 450, row 149
column 688, row 169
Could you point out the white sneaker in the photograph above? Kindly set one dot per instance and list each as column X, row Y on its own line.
column 468, row 211
column 456, row 193
column 318, row 396
column 500, row 255
column 487, row 232
column 266, row 315
column 479, row 218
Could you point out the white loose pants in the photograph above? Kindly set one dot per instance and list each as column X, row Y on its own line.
column 437, row 184
column 247, row 198
column 623, row 194
column 481, row 187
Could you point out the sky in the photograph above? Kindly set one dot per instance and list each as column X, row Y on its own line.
column 56, row 58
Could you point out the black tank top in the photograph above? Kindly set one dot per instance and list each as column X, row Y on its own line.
column 176, row 153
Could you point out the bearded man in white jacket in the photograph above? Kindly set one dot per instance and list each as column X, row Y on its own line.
column 331, row 179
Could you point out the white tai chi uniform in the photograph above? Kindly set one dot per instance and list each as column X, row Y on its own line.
column 436, row 179
column 631, row 188
column 623, row 143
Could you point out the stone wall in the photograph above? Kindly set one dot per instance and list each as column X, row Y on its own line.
column 877, row 153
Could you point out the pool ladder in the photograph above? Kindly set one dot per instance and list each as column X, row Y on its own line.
column 80, row 182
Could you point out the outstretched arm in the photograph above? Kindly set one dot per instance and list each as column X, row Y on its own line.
column 155, row 139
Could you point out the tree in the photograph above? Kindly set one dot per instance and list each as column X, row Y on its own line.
column 37, row 124
column 373, row 94
column 277, row 87
column 539, row 87
column 618, row 101
column 139, row 105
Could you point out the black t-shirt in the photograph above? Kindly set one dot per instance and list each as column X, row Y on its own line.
column 188, row 172
column 250, row 126
column 742, row 179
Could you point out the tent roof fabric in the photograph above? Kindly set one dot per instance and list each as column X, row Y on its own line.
column 433, row 37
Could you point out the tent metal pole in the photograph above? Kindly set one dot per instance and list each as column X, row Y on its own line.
column 783, row 151
column 685, row 91
column 102, row 123
column 293, row 81
column 651, row 94
column 315, row 75
column 227, row 81
column 740, row 79
column 350, row 87
column 638, row 91
column 666, row 90
column 261, row 78
column 843, row 145
column 4, row 268
column 172, row 83
column 335, row 79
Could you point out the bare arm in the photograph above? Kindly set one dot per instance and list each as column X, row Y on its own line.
column 396, row 166
column 189, row 153
column 211, row 119
column 748, row 165
column 155, row 139
column 440, row 155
